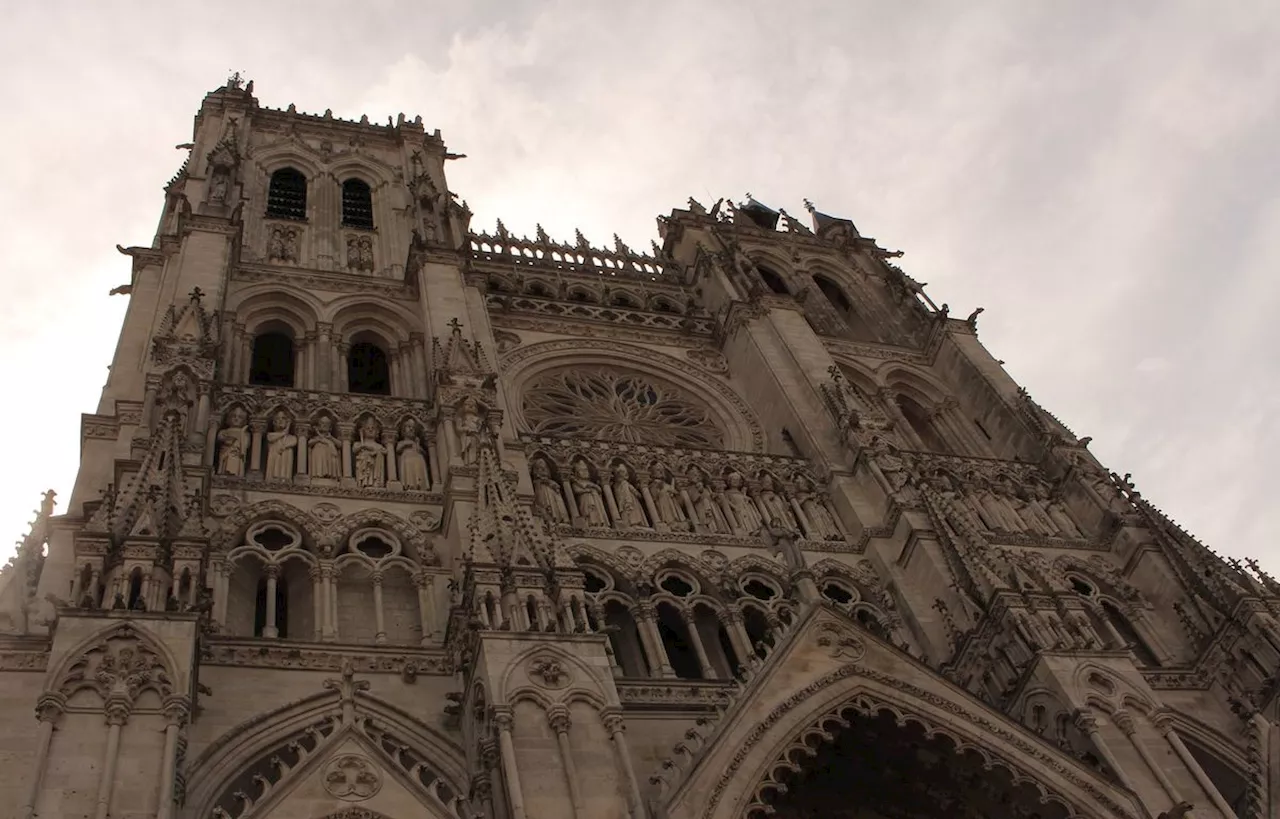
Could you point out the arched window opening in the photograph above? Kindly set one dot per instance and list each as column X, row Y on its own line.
column 1129, row 634
column 837, row 594
column 357, row 204
column 624, row 301
column 272, row 361
column 184, row 587
column 834, row 295
column 758, row 631
column 531, row 614
column 773, row 281
column 135, row 600
column 88, row 589
column 1081, row 588
column 624, row 637
column 287, row 195
column 282, row 608
column 856, row 325
column 675, row 638
column 1230, row 784
column 919, row 421
column 367, row 370
column 592, row 583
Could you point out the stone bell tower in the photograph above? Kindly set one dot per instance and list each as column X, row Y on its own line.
column 381, row 516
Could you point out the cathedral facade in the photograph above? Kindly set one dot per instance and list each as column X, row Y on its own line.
column 384, row 516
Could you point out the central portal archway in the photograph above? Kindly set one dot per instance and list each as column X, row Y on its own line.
column 861, row 763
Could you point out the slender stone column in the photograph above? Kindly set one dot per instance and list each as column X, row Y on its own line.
column 1125, row 722
column 613, row 725
column 334, row 576
column 257, row 427
column 304, row 432
column 269, row 629
column 644, row 615
column 1087, row 724
column 380, row 634
column 504, row 720
column 149, row 405
column 117, row 715
column 691, row 624
column 246, row 359
column 317, row 604
column 558, row 718
column 389, row 441
column 489, row 760
column 48, row 710
column 323, row 358
column 175, row 714
column 197, row 433
column 1164, row 724
column 731, row 618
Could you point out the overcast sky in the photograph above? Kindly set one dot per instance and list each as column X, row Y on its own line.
column 1104, row 178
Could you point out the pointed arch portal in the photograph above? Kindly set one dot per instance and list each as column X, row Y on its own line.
column 841, row 725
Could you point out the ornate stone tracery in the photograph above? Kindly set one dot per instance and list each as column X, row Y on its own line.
column 614, row 405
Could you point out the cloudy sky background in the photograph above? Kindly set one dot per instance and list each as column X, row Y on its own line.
column 1104, row 178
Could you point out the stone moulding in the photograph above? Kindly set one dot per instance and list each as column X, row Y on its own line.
column 283, row 655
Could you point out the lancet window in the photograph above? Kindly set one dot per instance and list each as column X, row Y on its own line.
column 367, row 369
column 357, row 204
column 287, row 195
column 773, row 280
column 272, row 361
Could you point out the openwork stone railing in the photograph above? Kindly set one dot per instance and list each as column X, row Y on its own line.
column 541, row 253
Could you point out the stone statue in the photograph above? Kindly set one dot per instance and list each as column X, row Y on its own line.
column 282, row 445
column 218, row 187
column 892, row 466
column 413, row 466
column 588, row 495
column 353, row 254
column 772, row 505
column 366, row 254
column 746, row 517
column 709, row 513
column 815, row 511
column 992, row 509
column 630, row 503
column 326, row 460
column 667, row 504
column 275, row 245
column 780, row 538
column 290, row 245
column 1061, row 517
column 1031, row 508
column 233, row 443
column 370, row 456
column 467, row 424
column 547, row 494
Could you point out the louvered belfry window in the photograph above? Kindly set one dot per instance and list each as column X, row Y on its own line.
column 287, row 196
column 357, row 204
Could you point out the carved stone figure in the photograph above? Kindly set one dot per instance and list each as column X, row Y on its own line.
column 630, row 503
column 745, row 514
column 773, row 505
column 275, row 245
column 282, row 445
column 588, row 495
column 1062, row 518
column 366, row 253
column 370, row 456
column 233, row 443
column 290, row 245
column 995, row 511
column 815, row 511
column 413, row 466
column 547, row 494
column 782, row 540
column 709, row 513
column 218, row 187
column 353, row 253
column 1031, row 508
column 467, row 425
column 325, row 457
column 887, row 458
column 667, row 504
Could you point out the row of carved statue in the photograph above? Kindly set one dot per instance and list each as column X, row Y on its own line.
column 728, row 503
column 374, row 457
column 998, row 502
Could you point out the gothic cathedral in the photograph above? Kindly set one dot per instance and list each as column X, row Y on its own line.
column 384, row 516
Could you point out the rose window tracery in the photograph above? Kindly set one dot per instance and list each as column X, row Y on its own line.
column 611, row 405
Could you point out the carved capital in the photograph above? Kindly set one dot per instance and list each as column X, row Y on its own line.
column 177, row 709
column 1085, row 722
column 117, row 710
column 1124, row 721
column 503, row 719
column 612, row 720
column 558, row 719
column 50, row 706
column 1163, row 721
column 488, row 754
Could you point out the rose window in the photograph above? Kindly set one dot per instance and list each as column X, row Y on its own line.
column 616, row 406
